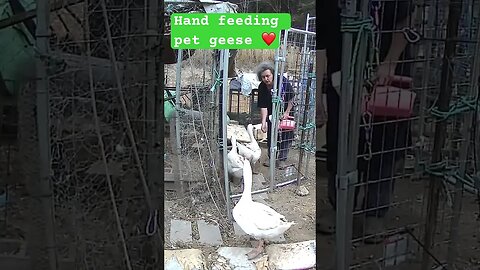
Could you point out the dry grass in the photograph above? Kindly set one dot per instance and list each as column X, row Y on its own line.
column 197, row 69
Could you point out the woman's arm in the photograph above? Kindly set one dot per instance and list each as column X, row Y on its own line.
column 263, row 114
column 262, row 103
column 289, row 108
column 397, row 46
column 290, row 96
column 320, row 115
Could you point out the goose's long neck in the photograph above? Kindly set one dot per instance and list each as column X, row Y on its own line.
column 234, row 145
column 252, row 138
column 247, row 187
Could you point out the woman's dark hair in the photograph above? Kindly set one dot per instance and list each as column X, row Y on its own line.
column 267, row 65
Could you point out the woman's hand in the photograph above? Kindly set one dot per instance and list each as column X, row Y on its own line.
column 264, row 127
column 384, row 73
column 285, row 116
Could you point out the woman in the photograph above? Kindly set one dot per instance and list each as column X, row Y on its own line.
column 265, row 73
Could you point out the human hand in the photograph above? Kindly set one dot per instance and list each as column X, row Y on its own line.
column 385, row 72
column 264, row 127
column 285, row 116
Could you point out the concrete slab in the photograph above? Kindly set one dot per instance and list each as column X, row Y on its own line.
column 180, row 231
column 236, row 258
column 188, row 259
column 209, row 233
column 301, row 255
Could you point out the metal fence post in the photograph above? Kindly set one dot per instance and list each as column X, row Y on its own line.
column 349, row 123
column 45, row 192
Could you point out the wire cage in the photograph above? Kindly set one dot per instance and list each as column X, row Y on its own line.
column 410, row 189
column 192, row 149
column 293, row 146
column 88, row 136
column 295, row 60
column 196, row 100
column 242, row 108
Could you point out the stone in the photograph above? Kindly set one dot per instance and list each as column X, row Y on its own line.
column 209, row 234
column 188, row 259
column 180, row 231
column 302, row 191
column 301, row 255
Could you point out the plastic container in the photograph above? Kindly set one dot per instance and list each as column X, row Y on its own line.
column 287, row 124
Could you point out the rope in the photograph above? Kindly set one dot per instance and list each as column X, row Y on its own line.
column 152, row 223
column 361, row 27
column 307, row 147
column 464, row 104
column 276, row 99
column 449, row 173
column 218, row 80
column 307, row 126
column 364, row 27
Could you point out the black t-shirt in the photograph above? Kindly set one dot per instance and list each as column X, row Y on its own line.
column 329, row 36
column 265, row 95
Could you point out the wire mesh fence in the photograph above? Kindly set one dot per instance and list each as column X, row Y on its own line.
column 415, row 197
column 101, row 135
column 192, row 148
column 295, row 138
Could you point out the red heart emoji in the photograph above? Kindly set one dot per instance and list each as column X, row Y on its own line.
column 268, row 38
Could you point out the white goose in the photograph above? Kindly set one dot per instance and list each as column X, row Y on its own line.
column 251, row 151
column 256, row 219
column 234, row 162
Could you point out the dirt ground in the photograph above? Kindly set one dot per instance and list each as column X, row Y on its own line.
column 408, row 211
